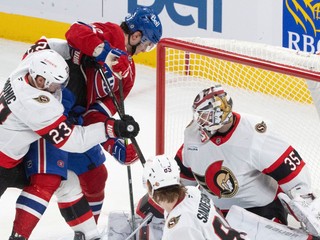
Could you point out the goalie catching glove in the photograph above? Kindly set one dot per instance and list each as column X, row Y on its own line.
column 120, row 150
column 127, row 127
column 305, row 207
column 116, row 59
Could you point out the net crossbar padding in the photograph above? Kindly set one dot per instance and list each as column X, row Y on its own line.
column 264, row 80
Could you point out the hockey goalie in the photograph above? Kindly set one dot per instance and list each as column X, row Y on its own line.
column 256, row 227
column 302, row 204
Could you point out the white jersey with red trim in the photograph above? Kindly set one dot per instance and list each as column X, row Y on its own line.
column 245, row 166
column 196, row 218
column 26, row 113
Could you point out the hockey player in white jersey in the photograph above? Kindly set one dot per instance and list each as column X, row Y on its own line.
column 30, row 108
column 238, row 160
column 189, row 214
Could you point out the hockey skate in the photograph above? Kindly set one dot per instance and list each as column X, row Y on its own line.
column 80, row 236
column 15, row 236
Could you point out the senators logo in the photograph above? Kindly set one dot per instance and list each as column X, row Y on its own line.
column 261, row 127
column 42, row 99
column 173, row 221
column 219, row 181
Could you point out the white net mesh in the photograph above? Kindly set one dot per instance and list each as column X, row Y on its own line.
column 281, row 98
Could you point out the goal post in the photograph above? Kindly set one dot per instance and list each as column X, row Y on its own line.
column 265, row 80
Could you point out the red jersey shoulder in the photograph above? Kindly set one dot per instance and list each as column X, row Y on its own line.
column 112, row 33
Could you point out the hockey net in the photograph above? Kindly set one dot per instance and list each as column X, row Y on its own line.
column 265, row 80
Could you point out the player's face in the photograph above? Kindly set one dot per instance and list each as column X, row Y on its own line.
column 39, row 82
column 146, row 45
column 204, row 118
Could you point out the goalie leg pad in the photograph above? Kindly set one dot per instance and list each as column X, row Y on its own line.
column 261, row 228
column 304, row 211
column 120, row 227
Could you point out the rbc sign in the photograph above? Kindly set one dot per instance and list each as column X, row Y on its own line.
column 200, row 5
column 301, row 25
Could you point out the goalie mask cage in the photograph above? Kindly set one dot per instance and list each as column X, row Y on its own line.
column 264, row 80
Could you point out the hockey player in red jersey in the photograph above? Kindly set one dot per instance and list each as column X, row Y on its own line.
column 139, row 32
column 237, row 159
column 189, row 214
column 111, row 46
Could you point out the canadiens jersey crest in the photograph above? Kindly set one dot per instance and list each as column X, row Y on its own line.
column 219, row 180
column 173, row 221
column 42, row 99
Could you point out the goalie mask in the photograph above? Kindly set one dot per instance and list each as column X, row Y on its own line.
column 143, row 19
column 161, row 171
column 212, row 109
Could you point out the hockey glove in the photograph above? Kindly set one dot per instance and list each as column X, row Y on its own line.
column 147, row 205
column 127, row 127
column 117, row 147
column 116, row 59
column 75, row 115
column 305, row 208
column 121, row 67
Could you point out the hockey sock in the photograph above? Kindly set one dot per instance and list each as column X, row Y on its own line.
column 75, row 208
column 79, row 217
column 33, row 201
column 93, row 184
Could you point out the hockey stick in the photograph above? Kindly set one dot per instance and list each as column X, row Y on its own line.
column 146, row 219
column 122, row 109
column 119, row 110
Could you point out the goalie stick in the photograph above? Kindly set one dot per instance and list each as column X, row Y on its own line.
column 144, row 222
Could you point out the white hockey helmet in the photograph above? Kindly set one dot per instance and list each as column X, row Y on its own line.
column 161, row 171
column 212, row 109
column 51, row 66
